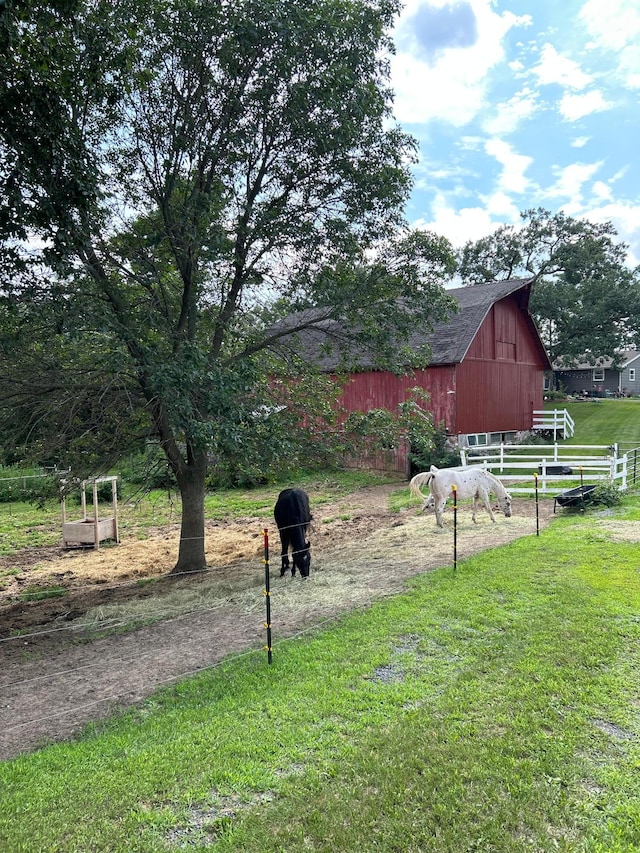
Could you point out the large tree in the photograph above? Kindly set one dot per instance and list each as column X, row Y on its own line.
column 178, row 176
column 585, row 298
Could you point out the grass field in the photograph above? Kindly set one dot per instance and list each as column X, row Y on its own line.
column 494, row 708
column 603, row 421
column 24, row 525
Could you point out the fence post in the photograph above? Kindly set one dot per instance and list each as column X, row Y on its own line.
column 267, row 593
column 454, row 489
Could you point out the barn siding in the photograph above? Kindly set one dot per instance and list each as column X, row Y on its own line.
column 499, row 397
column 381, row 389
column 494, row 389
column 499, row 382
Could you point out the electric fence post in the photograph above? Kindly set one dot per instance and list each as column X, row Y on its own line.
column 455, row 527
column 267, row 594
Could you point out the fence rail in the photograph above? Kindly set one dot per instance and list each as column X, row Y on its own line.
column 557, row 421
column 633, row 465
column 556, row 467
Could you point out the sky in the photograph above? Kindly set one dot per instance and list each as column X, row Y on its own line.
column 520, row 104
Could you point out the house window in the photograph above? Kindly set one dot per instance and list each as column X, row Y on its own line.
column 598, row 374
column 632, row 374
column 546, row 383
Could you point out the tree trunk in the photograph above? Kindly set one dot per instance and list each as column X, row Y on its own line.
column 191, row 555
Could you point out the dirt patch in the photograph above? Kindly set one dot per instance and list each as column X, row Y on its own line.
column 62, row 671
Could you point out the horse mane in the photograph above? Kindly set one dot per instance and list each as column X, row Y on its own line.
column 501, row 491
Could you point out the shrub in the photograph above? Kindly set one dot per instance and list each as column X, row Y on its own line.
column 30, row 485
column 606, row 494
column 436, row 450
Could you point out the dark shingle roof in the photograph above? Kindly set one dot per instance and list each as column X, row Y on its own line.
column 321, row 339
column 450, row 340
column 589, row 362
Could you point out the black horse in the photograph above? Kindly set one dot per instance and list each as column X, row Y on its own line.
column 293, row 518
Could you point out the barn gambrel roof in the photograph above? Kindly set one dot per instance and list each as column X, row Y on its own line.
column 322, row 339
column 450, row 341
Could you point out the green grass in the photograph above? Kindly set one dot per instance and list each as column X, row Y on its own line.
column 490, row 709
column 603, row 421
column 24, row 525
column 40, row 593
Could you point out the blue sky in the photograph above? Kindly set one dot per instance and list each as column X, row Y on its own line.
column 521, row 104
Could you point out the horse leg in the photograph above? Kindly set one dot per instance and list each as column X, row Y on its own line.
column 439, row 508
column 487, row 505
column 284, row 553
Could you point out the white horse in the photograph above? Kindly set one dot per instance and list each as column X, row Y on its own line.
column 473, row 482
column 423, row 479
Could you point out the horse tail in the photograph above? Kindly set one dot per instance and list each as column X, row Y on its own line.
column 419, row 480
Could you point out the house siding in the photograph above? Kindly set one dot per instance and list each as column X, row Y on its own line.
column 628, row 385
column 579, row 381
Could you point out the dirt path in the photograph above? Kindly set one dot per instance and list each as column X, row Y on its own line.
column 63, row 672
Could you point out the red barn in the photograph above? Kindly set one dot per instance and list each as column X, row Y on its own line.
column 485, row 375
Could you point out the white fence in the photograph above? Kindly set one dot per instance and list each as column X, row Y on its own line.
column 560, row 423
column 557, row 467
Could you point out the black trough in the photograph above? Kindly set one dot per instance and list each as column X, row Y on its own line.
column 574, row 497
column 551, row 470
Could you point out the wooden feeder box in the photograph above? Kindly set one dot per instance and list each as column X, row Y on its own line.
column 91, row 530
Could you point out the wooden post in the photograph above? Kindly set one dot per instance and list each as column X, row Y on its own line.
column 96, row 526
column 114, row 501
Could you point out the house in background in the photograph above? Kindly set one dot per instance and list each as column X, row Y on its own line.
column 484, row 379
column 599, row 378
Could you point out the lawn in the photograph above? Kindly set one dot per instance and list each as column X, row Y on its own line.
column 27, row 525
column 491, row 708
column 603, row 421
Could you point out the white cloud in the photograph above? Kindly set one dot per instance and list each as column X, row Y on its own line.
column 554, row 68
column 512, row 178
column 510, row 114
column 613, row 24
column 625, row 218
column 574, row 107
column 450, row 84
column 570, row 183
column 580, row 142
column 501, row 206
column 602, row 191
column 458, row 226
